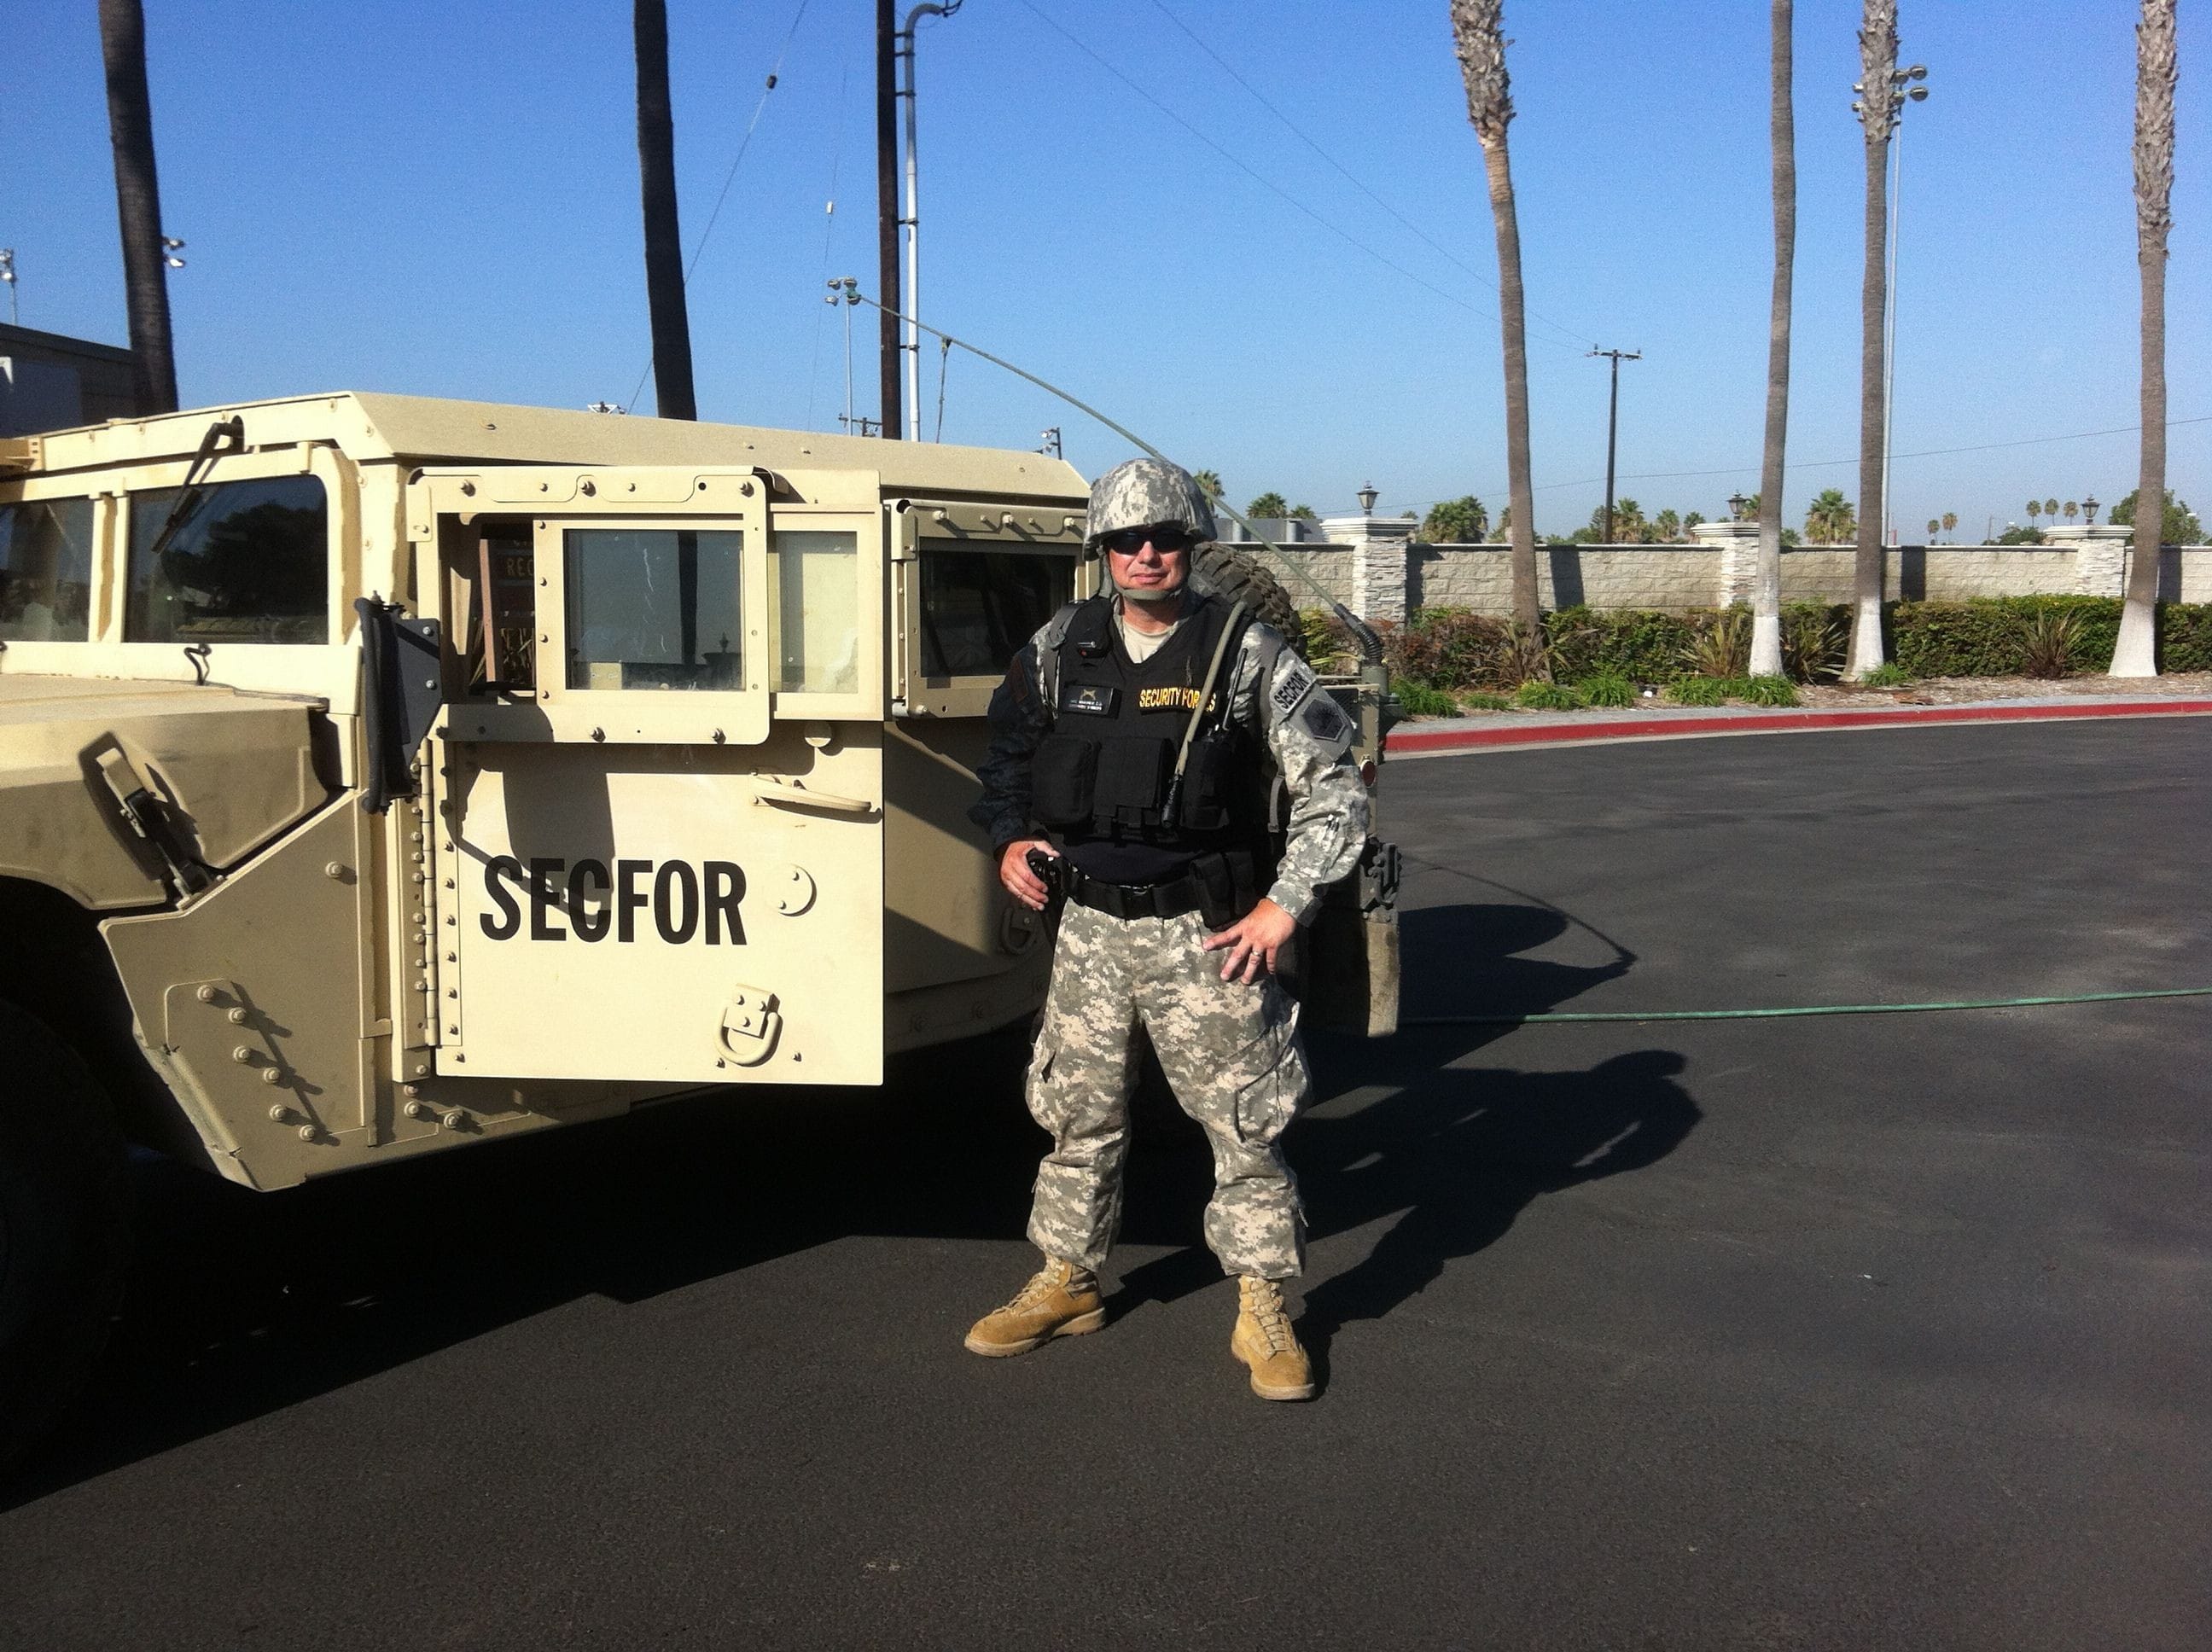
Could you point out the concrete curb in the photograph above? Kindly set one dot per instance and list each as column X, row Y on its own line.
column 1574, row 729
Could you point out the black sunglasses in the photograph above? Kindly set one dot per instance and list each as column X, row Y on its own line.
column 1167, row 537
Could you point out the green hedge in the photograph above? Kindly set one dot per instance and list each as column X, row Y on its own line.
column 1456, row 649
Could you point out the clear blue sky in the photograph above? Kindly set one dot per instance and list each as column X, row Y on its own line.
column 443, row 200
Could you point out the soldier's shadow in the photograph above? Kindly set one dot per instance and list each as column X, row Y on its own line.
column 1437, row 1157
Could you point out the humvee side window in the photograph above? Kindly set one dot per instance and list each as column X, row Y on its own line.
column 248, row 561
column 817, row 596
column 979, row 606
column 654, row 608
column 45, row 570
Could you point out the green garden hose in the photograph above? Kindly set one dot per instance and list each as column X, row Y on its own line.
column 1807, row 1009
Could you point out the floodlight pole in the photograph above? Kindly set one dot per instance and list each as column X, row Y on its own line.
column 910, row 342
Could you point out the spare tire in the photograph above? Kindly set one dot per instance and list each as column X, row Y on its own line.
column 1239, row 576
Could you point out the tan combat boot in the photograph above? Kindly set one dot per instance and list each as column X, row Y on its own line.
column 1060, row 1301
column 1263, row 1340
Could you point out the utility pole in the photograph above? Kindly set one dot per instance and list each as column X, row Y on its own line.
column 1051, row 448
column 1613, row 426
column 887, row 212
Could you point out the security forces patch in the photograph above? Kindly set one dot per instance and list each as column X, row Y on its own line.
column 1325, row 721
column 1296, row 679
column 1092, row 697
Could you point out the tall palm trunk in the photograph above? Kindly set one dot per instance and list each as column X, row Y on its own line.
column 138, row 204
column 1766, row 594
column 1877, row 111
column 2156, row 69
column 664, row 244
column 1477, row 30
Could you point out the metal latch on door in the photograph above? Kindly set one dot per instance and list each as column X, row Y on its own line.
column 751, row 1024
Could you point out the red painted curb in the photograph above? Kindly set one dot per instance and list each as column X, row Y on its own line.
column 1766, row 722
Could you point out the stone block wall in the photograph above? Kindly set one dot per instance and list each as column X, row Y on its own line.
column 1481, row 577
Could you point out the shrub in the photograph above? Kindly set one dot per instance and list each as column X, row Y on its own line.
column 1480, row 701
column 1607, row 691
column 1989, row 637
column 1419, row 700
column 2047, row 643
column 1887, row 675
column 1721, row 645
column 2185, row 637
column 1699, row 690
column 1769, row 691
column 1813, row 639
column 1638, row 644
column 1547, row 697
column 1326, row 645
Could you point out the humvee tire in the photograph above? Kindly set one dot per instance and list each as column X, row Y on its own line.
column 1238, row 575
column 65, row 1226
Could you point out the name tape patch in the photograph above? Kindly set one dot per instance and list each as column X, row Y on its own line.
column 1296, row 680
column 1169, row 699
column 1092, row 697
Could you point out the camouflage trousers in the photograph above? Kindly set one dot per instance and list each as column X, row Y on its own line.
column 1231, row 1054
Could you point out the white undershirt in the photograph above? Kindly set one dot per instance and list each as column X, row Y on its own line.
column 1141, row 645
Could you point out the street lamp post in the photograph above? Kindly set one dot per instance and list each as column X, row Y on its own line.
column 1367, row 496
column 1905, row 80
column 8, row 274
column 2089, row 510
column 909, row 336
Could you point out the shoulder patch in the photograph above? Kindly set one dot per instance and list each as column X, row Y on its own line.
column 1325, row 720
column 1296, row 680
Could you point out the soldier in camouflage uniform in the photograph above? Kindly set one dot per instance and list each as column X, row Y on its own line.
column 1136, row 739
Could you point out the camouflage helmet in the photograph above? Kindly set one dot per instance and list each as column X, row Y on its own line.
column 1145, row 493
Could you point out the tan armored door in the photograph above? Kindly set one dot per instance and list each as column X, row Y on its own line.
column 663, row 875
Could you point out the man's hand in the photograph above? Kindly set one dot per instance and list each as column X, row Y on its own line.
column 1253, row 941
column 1014, row 873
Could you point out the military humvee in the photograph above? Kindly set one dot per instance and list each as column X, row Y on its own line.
column 380, row 774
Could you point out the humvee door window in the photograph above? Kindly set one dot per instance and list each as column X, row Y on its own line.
column 248, row 561
column 45, row 570
column 818, row 611
column 654, row 608
column 978, row 607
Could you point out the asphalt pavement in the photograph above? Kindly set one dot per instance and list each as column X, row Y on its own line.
column 1844, row 1332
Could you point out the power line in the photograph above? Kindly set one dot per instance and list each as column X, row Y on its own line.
column 1344, row 235
column 1925, row 452
column 1299, row 133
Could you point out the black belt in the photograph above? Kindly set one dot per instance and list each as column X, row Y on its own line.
column 1218, row 884
column 1169, row 900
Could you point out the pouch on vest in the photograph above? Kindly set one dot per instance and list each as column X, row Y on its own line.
column 1133, row 770
column 1062, row 781
column 1205, row 803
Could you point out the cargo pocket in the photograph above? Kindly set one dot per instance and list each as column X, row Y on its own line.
column 1036, row 1087
column 1269, row 1074
column 1133, row 773
column 1062, row 778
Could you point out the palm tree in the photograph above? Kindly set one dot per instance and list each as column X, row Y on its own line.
column 2034, row 510
column 664, row 246
column 2073, row 509
column 1479, row 34
column 1271, row 506
column 2051, row 508
column 138, row 204
column 1766, row 586
column 1830, row 520
column 1668, row 525
column 1877, row 112
column 1209, row 483
column 1950, row 521
column 1935, row 526
column 2136, row 653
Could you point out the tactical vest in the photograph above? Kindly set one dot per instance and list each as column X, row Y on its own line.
column 1101, row 778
